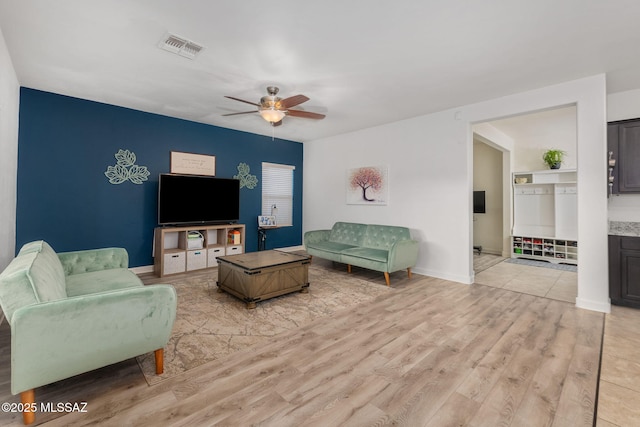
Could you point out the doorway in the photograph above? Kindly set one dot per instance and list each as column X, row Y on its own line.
column 521, row 140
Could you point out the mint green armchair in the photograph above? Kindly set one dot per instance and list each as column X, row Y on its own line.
column 74, row 312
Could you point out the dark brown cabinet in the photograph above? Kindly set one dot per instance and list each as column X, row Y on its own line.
column 623, row 140
column 624, row 270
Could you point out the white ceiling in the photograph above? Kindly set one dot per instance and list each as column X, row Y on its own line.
column 362, row 62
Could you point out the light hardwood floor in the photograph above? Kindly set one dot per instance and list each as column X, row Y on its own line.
column 433, row 353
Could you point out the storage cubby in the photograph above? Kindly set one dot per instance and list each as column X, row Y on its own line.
column 175, row 252
column 552, row 250
column 545, row 215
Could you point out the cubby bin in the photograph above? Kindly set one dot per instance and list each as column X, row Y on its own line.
column 174, row 262
column 234, row 250
column 197, row 259
column 212, row 255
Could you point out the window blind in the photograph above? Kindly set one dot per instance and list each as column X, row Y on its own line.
column 277, row 191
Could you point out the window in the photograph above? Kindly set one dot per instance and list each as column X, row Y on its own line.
column 277, row 192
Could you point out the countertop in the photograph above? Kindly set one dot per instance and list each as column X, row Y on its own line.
column 624, row 228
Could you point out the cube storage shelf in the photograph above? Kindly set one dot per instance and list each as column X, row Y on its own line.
column 539, row 248
column 175, row 252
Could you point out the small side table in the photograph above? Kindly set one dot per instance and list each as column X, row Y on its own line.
column 262, row 237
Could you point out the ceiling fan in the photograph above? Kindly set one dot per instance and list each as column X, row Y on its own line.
column 273, row 109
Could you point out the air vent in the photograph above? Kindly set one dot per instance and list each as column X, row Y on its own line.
column 180, row 46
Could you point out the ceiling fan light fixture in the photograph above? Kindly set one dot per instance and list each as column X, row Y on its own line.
column 272, row 115
column 273, row 109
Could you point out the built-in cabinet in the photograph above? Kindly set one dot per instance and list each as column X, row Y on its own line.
column 623, row 140
column 182, row 249
column 545, row 215
column 624, row 270
column 553, row 250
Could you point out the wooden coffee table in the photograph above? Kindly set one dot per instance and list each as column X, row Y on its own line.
column 257, row 276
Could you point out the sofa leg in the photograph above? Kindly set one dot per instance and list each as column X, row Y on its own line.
column 386, row 278
column 348, row 268
column 159, row 361
column 28, row 398
column 409, row 272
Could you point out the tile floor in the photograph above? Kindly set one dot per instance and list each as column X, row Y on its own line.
column 539, row 281
column 619, row 393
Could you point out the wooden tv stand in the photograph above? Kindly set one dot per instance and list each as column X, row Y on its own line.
column 172, row 254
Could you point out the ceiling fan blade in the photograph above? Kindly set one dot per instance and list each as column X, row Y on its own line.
column 243, row 112
column 242, row 100
column 292, row 101
column 305, row 114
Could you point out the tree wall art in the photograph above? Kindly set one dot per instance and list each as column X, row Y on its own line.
column 367, row 186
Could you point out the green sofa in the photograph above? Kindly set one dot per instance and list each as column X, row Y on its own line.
column 73, row 312
column 384, row 248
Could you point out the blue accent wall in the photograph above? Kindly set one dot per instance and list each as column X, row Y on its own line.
column 66, row 144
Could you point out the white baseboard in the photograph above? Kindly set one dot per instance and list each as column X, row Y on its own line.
column 142, row 269
column 465, row 280
column 594, row 305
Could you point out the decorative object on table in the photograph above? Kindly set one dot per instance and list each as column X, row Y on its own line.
column 553, row 158
column 126, row 169
column 193, row 164
column 367, row 186
column 266, row 221
column 273, row 108
column 246, row 179
column 234, row 237
column 195, row 240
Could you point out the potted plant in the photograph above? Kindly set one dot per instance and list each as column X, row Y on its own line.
column 553, row 158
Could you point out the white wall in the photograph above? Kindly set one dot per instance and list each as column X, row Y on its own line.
column 426, row 181
column 9, row 103
column 430, row 168
column 535, row 133
column 623, row 106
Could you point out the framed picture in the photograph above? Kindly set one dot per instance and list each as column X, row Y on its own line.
column 266, row 221
column 193, row 164
column 367, row 186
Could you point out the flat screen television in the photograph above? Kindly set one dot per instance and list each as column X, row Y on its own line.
column 479, row 202
column 193, row 199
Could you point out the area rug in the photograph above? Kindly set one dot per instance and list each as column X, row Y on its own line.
column 211, row 325
column 533, row 263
